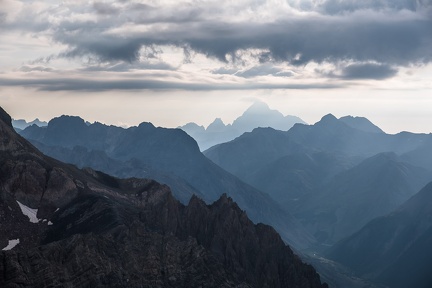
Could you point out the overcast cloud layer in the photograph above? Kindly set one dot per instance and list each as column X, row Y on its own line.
column 124, row 45
column 346, row 39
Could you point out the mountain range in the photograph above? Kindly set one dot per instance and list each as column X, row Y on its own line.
column 167, row 155
column 334, row 176
column 21, row 124
column 65, row 227
column 331, row 188
column 257, row 115
column 394, row 249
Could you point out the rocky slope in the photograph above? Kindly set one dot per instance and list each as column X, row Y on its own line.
column 82, row 228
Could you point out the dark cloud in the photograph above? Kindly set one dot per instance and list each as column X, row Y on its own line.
column 126, row 67
column 2, row 17
column 27, row 68
column 70, row 84
column 297, row 41
column 368, row 71
column 333, row 7
column 101, row 47
column 105, row 8
column 392, row 33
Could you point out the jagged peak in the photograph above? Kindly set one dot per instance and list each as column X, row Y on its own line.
column 328, row 117
column 225, row 200
column 5, row 117
column 216, row 125
column 217, row 121
column 361, row 123
column 195, row 200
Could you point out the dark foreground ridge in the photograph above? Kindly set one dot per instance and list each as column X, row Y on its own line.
column 94, row 230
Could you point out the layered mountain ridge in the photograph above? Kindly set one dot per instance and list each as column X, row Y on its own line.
column 335, row 175
column 93, row 230
column 166, row 155
column 393, row 249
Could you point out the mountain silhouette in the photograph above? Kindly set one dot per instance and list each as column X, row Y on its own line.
column 257, row 115
column 21, row 124
column 333, row 176
column 373, row 188
column 169, row 155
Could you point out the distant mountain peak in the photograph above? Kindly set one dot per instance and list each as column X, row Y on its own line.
column 258, row 107
column 257, row 115
column 67, row 119
column 147, row 125
column 216, row 125
column 361, row 123
column 328, row 117
column 22, row 124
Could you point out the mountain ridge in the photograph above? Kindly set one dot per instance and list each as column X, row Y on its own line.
column 111, row 232
column 170, row 152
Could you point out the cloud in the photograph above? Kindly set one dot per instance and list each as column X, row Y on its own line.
column 264, row 70
column 105, row 8
column 127, row 67
column 358, row 36
column 27, row 68
column 82, row 84
column 348, row 6
column 389, row 33
column 368, row 71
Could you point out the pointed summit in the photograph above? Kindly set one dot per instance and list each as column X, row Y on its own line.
column 260, row 115
column 216, row 126
column 257, row 115
column 328, row 118
column 5, row 117
column 361, row 123
column 259, row 107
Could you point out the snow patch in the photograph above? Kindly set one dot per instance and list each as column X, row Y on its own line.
column 29, row 212
column 11, row 245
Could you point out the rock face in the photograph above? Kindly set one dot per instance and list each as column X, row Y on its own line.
column 100, row 231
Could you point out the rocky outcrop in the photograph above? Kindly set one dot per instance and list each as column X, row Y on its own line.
column 89, row 229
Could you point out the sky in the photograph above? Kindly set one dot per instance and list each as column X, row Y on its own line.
column 123, row 62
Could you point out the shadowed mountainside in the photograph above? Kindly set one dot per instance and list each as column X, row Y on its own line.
column 166, row 155
column 83, row 228
column 335, row 175
column 394, row 249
